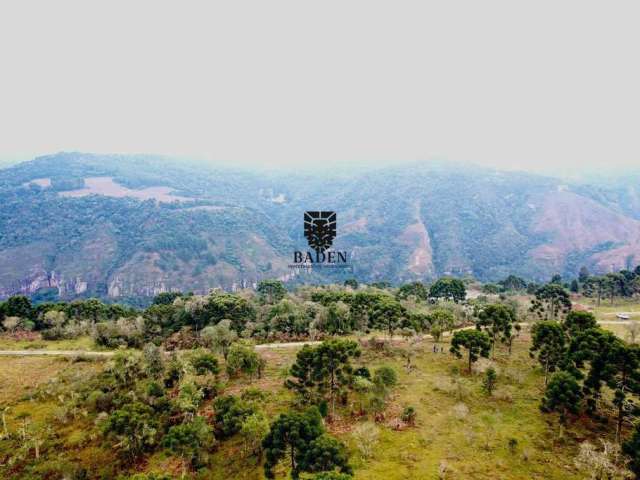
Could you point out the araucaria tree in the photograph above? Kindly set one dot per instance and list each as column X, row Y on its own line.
column 332, row 368
column 549, row 342
column 298, row 438
column 577, row 322
column 551, row 302
column 324, row 370
column 625, row 380
column 563, row 395
column 612, row 363
column 477, row 344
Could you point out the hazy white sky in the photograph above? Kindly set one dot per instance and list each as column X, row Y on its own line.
column 534, row 85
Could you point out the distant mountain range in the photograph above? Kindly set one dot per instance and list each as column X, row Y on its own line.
column 129, row 227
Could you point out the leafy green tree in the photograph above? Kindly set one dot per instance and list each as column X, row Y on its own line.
column 189, row 441
column 562, row 395
column 271, row 291
column 324, row 454
column 153, row 361
column 441, row 320
column 415, row 289
column 93, row 309
column 134, row 427
column 477, row 344
column 159, row 321
column 222, row 306
column 254, row 428
column 17, row 306
column 448, row 289
column 549, row 341
column 388, row 315
column 230, row 413
column 219, row 337
column 289, row 438
column 338, row 319
column 189, row 398
column 498, row 321
column 551, row 302
column 513, row 283
column 204, row 363
column 419, row 321
column 166, row 298
column 287, row 317
column 242, row 359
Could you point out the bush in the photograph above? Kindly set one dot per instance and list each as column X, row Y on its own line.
column 254, row 428
column 204, row 363
column 189, row 440
column 385, row 377
column 243, row 359
column 489, row 381
column 125, row 332
column 230, row 414
column 134, row 427
column 409, row 415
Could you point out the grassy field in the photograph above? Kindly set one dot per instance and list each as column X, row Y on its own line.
column 460, row 433
column 81, row 343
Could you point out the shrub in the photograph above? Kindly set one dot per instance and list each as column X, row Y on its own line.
column 189, row 440
column 134, row 427
column 384, row 378
column 409, row 415
column 204, row 363
column 230, row 413
column 242, row 359
column 254, row 428
column 489, row 381
column 366, row 436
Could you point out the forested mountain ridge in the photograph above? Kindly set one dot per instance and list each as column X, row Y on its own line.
column 76, row 224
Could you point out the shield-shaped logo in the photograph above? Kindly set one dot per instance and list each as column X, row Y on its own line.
column 320, row 229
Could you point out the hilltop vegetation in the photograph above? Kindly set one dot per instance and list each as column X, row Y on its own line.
column 230, row 229
column 412, row 381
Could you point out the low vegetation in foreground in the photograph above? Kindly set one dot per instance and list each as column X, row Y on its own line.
column 449, row 380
